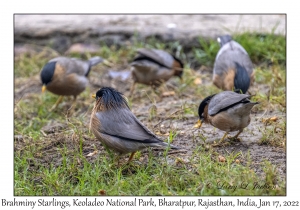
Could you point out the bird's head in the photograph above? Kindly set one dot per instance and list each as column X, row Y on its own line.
column 47, row 74
column 202, row 107
column 109, row 98
column 224, row 39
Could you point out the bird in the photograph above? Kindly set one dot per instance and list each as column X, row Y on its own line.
column 113, row 123
column 154, row 66
column 66, row 76
column 233, row 68
column 228, row 111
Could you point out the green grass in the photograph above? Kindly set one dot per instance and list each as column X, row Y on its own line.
column 200, row 175
column 58, row 163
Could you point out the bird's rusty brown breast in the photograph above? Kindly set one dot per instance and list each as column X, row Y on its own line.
column 66, row 84
column 225, row 122
column 205, row 114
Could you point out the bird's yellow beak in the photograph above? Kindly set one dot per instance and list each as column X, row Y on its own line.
column 43, row 88
column 94, row 96
column 198, row 124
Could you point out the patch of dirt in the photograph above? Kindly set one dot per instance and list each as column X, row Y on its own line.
column 24, row 87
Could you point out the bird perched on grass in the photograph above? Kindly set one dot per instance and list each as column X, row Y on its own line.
column 116, row 126
column 152, row 67
column 67, row 76
column 227, row 111
column 233, row 69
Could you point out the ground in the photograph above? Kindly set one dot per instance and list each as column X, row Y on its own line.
column 169, row 116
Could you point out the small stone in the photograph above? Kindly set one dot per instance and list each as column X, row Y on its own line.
column 221, row 158
column 18, row 138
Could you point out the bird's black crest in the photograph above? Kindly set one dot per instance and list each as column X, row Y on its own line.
column 241, row 79
column 202, row 105
column 111, row 98
column 47, row 72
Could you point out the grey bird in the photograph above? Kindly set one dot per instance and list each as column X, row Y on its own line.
column 233, row 69
column 227, row 111
column 153, row 66
column 67, row 76
column 113, row 123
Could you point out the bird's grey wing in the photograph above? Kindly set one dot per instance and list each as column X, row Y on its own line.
column 95, row 60
column 160, row 56
column 224, row 100
column 123, row 124
column 73, row 65
column 229, row 54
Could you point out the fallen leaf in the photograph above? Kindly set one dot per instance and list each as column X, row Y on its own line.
column 271, row 119
column 78, row 161
column 168, row 93
column 237, row 161
column 198, row 81
column 179, row 160
column 102, row 192
column 92, row 153
column 275, row 118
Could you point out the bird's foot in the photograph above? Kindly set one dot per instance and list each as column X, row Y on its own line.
column 219, row 144
column 234, row 138
column 56, row 103
column 221, row 141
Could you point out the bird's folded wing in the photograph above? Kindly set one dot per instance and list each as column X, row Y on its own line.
column 159, row 56
column 224, row 100
column 123, row 124
column 73, row 65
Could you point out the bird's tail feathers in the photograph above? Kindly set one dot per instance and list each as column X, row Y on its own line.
column 95, row 60
column 241, row 80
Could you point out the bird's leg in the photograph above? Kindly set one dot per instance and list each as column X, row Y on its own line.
column 164, row 86
column 117, row 159
column 57, row 102
column 222, row 139
column 236, row 136
column 74, row 101
column 132, row 89
column 131, row 156
column 71, row 109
